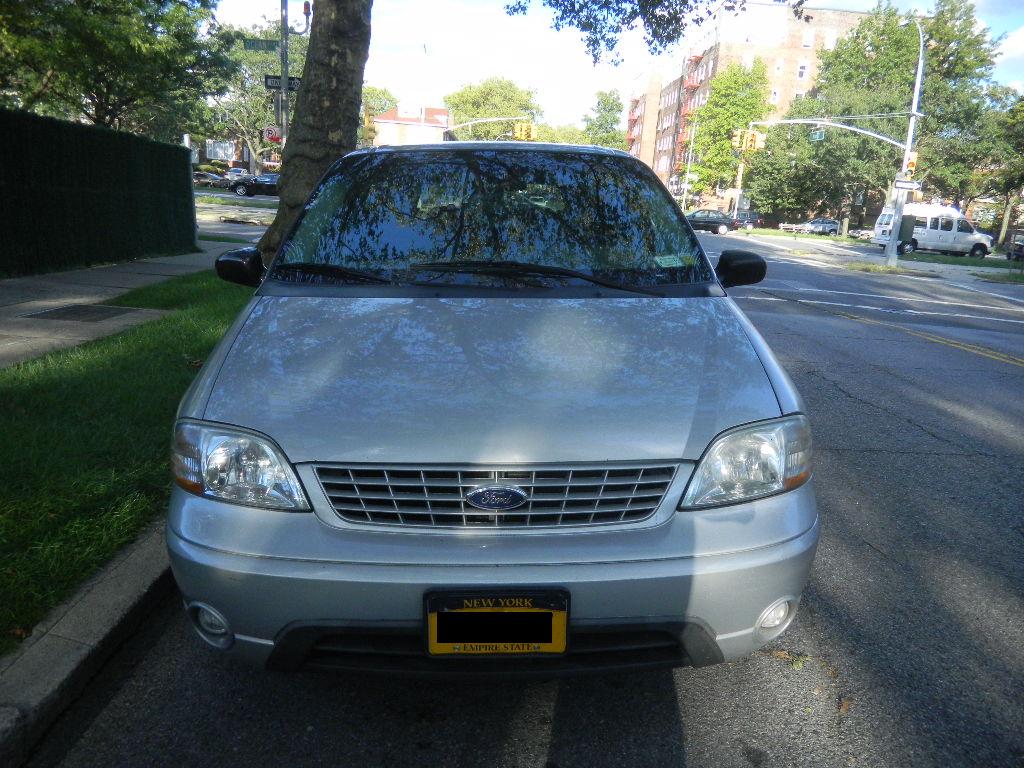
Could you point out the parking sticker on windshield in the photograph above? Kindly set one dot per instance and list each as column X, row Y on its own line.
column 669, row 261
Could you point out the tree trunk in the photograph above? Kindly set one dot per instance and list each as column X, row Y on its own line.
column 326, row 115
column 1007, row 214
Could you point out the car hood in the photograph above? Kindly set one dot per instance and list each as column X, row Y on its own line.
column 486, row 380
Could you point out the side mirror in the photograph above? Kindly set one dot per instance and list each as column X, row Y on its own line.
column 241, row 265
column 740, row 268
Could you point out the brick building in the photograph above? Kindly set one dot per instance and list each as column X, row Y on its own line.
column 425, row 125
column 764, row 30
column 642, row 119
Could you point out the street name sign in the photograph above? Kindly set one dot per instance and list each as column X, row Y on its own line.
column 259, row 44
column 273, row 83
column 913, row 186
column 817, row 134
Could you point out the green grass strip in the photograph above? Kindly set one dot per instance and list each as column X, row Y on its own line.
column 240, row 201
column 85, row 449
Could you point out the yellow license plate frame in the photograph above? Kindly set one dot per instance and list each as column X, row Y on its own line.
column 497, row 603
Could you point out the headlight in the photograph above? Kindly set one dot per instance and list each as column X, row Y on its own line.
column 751, row 462
column 232, row 465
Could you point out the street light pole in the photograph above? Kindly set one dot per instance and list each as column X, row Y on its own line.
column 284, row 72
column 892, row 247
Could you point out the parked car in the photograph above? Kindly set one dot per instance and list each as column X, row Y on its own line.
column 820, row 227
column 712, row 221
column 206, row 179
column 234, row 174
column 749, row 219
column 485, row 413
column 264, row 184
column 936, row 228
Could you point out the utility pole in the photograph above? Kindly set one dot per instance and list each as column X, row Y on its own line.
column 892, row 248
column 284, row 73
column 285, row 31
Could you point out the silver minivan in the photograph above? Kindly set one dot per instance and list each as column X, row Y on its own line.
column 936, row 228
column 491, row 409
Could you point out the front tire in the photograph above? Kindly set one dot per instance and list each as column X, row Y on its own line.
column 979, row 251
column 722, row 229
column 909, row 247
column 241, row 191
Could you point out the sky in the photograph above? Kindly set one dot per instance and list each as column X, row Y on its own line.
column 421, row 50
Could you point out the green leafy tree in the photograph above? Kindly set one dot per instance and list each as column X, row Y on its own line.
column 376, row 101
column 247, row 107
column 494, row 97
column 601, row 127
column 126, row 64
column 737, row 96
column 561, row 134
column 327, row 118
column 871, row 72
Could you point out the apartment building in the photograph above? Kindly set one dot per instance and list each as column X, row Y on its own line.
column 763, row 29
column 642, row 119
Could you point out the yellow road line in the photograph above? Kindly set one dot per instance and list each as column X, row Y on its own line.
column 992, row 354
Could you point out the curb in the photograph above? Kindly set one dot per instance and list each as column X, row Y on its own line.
column 55, row 664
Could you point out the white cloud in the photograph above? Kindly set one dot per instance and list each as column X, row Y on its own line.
column 1012, row 48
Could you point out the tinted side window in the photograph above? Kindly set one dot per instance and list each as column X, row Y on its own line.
column 933, row 223
column 920, row 221
column 963, row 225
column 946, row 225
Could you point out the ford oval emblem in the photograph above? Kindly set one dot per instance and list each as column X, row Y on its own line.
column 497, row 497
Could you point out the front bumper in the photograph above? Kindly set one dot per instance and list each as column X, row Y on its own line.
column 631, row 602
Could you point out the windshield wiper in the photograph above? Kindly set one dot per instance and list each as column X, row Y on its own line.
column 525, row 268
column 332, row 270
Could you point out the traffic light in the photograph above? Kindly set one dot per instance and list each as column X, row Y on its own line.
column 759, row 139
column 524, row 131
column 737, row 139
column 911, row 164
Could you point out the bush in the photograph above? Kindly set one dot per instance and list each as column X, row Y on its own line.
column 220, row 165
column 209, row 169
column 121, row 197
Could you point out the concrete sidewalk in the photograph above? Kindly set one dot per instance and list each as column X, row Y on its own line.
column 61, row 309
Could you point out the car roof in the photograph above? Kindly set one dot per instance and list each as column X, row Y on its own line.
column 517, row 146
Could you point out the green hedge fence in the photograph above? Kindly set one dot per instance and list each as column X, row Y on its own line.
column 73, row 194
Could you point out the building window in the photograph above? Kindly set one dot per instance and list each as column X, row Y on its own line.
column 801, row 71
column 748, row 61
column 831, row 38
column 774, row 97
column 808, row 41
column 798, row 95
column 778, row 66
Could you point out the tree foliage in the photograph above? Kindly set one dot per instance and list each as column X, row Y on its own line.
column 872, row 72
column 138, row 65
column 561, row 134
column 494, row 97
column 247, row 107
column 601, row 127
column 737, row 96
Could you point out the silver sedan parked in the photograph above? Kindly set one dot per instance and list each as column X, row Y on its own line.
column 490, row 409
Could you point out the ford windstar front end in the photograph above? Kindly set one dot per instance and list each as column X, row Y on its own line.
column 491, row 409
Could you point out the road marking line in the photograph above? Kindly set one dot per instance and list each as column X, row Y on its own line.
column 976, row 349
column 913, row 312
column 904, row 298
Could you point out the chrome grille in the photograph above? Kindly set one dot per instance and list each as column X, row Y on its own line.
column 435, row 495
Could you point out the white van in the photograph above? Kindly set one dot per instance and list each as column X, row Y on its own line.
column 936, row 228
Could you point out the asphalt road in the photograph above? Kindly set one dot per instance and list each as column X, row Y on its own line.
column 907, row 650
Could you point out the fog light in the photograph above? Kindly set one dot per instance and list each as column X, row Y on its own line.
column 211, row 622
column 774, row 616
column 211, row 626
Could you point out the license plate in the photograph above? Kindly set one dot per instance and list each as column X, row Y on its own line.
column 497, row 623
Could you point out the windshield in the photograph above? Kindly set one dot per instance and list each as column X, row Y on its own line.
column 389, row 213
